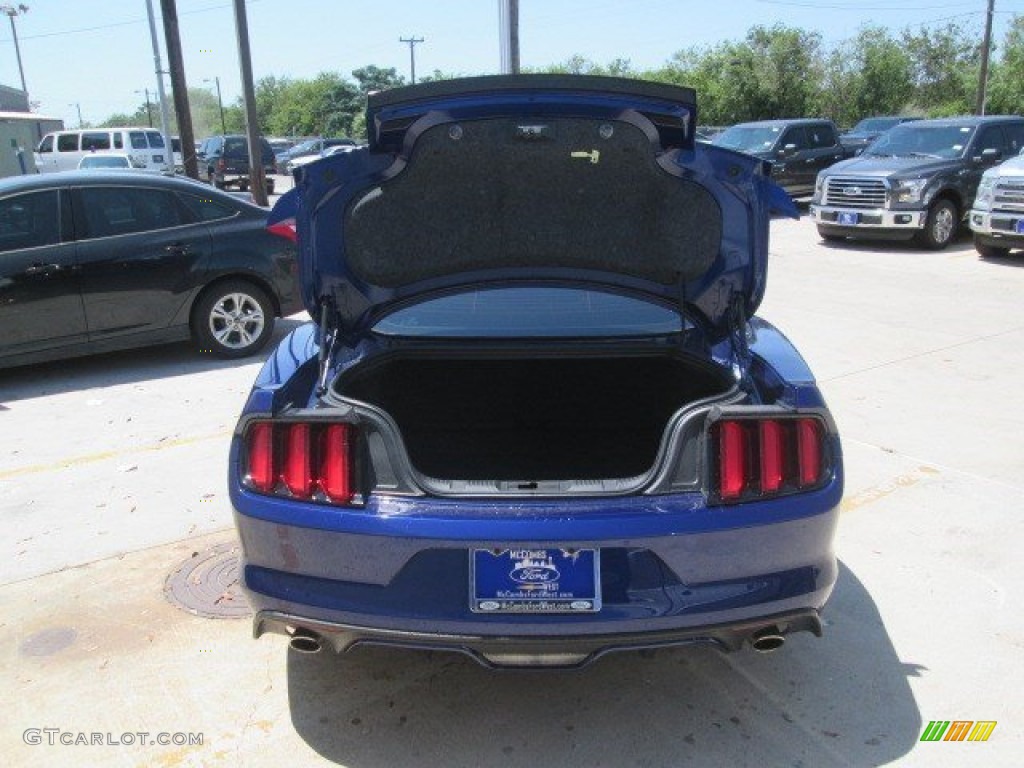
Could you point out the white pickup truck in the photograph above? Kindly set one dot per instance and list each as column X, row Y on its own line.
column 997, row 216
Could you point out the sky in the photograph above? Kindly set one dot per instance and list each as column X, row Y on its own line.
column 98, row 56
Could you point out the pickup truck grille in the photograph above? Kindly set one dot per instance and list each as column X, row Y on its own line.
column 851, row 192
column 1009, row 196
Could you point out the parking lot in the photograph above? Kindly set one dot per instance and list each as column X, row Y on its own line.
column 112, row 475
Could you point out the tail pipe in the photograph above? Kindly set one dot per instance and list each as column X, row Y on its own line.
column 304, row 641
column 767, row 639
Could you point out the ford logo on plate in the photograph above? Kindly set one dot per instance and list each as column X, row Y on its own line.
column 532, row 570
column 488, row 605
column 851, row 190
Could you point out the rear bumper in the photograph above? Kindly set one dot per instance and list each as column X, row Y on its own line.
column 673, row 571
column 550, row 652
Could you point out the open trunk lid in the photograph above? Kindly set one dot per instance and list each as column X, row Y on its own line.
column 537, row 179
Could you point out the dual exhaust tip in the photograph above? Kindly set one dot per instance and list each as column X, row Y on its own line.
column 764, row 640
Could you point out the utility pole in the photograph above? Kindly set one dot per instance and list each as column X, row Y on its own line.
column 220, row 103
column 508, row 36
column 179, row 88
column 165, row 118
column 257, row 179
column 78, row 107
column 986, row 49
column 412, row 55
column 149, row 107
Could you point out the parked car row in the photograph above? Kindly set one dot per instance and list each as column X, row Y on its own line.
column 898, row 178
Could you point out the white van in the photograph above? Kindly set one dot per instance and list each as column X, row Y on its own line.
column 63, row 150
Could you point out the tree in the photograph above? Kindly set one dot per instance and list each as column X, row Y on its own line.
column 884, row 80
column 1006, row 77
column 945, row 66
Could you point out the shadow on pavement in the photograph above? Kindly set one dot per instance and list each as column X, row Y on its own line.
column 843, row 700
column 127, row 367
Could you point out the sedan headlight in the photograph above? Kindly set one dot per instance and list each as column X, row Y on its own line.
column 908, row 190
column 983, row 200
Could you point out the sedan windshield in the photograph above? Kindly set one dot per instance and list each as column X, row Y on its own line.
column 916, row 140
column 748, row 138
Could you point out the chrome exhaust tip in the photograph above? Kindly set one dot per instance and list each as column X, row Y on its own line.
column 767, row 640
column 304, row 641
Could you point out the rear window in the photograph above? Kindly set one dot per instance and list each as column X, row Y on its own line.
column 531, row 312
column 236, row 148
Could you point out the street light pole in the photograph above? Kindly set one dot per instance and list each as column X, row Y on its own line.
column 220, row 103
column 11, row 12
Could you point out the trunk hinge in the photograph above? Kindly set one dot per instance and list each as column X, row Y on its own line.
column 327, row 337
column 738, row 330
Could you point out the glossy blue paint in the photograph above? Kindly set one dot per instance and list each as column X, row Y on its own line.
column 669, row 561
column 737, row 182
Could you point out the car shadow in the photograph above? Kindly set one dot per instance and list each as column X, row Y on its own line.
column 842, row 700
column 1015, row 259
column 125, row 367
column 961, row 245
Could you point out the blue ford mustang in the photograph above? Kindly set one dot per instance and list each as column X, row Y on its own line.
column 535, row 419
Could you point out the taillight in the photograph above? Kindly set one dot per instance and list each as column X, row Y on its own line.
column 221, row 164
column 306, row 460
column 764, row 457
column 261, row 457
column 336, row 463
column 284, row 228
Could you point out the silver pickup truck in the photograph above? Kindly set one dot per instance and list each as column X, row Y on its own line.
column 997, row 216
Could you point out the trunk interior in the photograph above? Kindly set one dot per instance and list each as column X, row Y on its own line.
column 532, row 419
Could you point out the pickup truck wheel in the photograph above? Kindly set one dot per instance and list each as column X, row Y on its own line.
column 940, row 225
column 991, row 251
column 829, row 237
column 232, row 319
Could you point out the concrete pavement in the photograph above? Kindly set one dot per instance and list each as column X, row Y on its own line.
column 112, row 474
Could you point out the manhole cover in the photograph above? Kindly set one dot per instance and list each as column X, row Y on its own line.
column 207, row 584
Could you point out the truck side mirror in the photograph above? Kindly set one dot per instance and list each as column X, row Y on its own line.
column 988, row 156
column 788, row 151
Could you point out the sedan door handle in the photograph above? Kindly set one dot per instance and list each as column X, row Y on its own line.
column 43, row 269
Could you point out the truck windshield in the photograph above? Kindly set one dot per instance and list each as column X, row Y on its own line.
column 916, row 140
column 748, row 138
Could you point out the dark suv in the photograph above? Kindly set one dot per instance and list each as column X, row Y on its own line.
column 797, row 149
column 918, row 180
column 224, row 162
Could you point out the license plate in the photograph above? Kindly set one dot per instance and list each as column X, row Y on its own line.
column 848, row 219
column 535, row 580
column 1018, row 226
column 158, row 158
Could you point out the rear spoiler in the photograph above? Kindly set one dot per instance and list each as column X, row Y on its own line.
column 671, row 108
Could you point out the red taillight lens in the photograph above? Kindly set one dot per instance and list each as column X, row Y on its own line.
column 305, row 460
column 732, row 459
column 260, row 451
column 221, row 164
column 767, row 457
column 298, row 464
column 771, row 455
column 808, row 438
column 284, row 228
column 336, row 463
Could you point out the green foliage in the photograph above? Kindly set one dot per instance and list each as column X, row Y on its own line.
column 772, row 72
